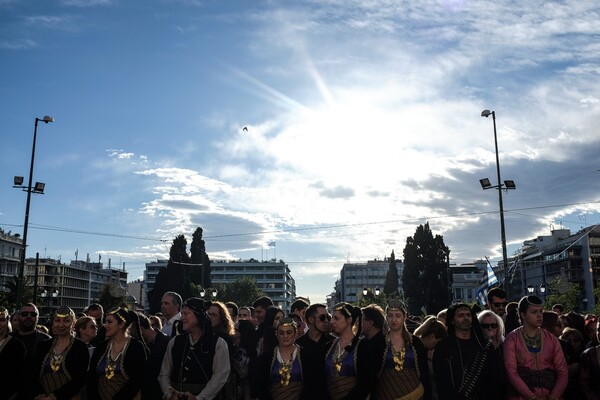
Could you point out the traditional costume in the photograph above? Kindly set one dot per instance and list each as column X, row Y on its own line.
column 347, row 370
column 286, row 378
column 534, row 366
column 120, row 377
column 61, row 374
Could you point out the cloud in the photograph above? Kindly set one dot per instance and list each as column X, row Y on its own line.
column 86, row 3
column 18, row 44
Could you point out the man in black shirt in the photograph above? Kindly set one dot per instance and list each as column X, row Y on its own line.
column 315, row 343
column 462, row 361
column 30, row 337
column 157, row 342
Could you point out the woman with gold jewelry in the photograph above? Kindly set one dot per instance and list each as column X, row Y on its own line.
column 58, row 361
column 348, row 363
column 404, row 372
column 283, row 365
column 535, row 364
column 116, row 368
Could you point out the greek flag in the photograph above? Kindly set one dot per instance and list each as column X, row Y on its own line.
column 487, row 280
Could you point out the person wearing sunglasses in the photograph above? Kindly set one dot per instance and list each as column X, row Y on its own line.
column 31, row 338
column 493, row 328
column 535, row 364
column 315, row 343
column 497, row 301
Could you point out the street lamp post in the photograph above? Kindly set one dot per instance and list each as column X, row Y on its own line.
column 485, row 183
column 38, row 189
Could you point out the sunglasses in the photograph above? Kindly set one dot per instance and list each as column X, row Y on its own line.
column 489, row 326
column 29, row 314
column 324, row 317
column 503, row 304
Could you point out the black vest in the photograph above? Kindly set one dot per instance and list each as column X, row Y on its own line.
column 192, row 364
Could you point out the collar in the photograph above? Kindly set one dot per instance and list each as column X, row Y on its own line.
column 176, row 317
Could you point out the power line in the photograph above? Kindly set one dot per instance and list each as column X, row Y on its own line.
column 291, row 230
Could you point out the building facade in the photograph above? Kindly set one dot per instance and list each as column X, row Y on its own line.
column 273, row 278
column 150, row 273
column 75, row 285
column 562, row 257
column 10, row 251
column 355, row 276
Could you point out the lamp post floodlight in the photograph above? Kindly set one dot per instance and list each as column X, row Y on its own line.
column 38, row 189
column 509, row 184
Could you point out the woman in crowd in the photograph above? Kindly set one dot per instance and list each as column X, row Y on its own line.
column 245, row 343
column 221, row 323
column 493, row 329
column 61, row 362
column 575, row 339
column 404, row 372
column 86, row 329
column 534, row 361
column 552, row 323
column 116, row 368
column 347, row 362
column 269, row 340
column 590, row 370
column 282, row 368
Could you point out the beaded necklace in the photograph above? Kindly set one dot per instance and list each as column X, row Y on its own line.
column 111, row 364
column 533, row 344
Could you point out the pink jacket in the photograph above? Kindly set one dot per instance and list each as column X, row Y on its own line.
column 551, row 356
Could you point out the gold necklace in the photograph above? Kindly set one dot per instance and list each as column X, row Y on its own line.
column 285, row 368
column 338, row 357
column 533, row 344
column 111, row 365
column 398, row 357
column 56, row 361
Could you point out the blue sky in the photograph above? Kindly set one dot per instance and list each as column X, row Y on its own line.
column 363, row 122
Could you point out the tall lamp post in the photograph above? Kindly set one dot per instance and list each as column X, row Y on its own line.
column 486, row 184
column 37, row 189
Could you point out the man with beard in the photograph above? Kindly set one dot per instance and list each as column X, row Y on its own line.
column 462, row 361
column 30, row 337
column 497, row 301
column 196, row 364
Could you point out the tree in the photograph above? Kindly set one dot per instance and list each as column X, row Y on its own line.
column 425, row 277
column 200, row 274
column 563, row 292
column 11, row 286
column 372, row 298
column 242, row 292
column 391, row 278
column 175, row 277
column 112, row 296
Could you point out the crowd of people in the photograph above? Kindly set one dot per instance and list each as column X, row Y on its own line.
column 199, row 349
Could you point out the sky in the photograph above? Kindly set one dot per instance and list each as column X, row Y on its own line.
column 363, row 121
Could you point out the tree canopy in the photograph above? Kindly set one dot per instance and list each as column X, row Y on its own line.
column 425, row 275
column 391, row 278
column 242, row 291
column 200, row 271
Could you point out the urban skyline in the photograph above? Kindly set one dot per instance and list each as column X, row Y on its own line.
column 331, row 129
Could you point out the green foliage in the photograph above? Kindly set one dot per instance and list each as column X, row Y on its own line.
column 371, row 298
column 391, row 278
column 10, row 296
column 563, row 292
column 425, row 275
column 597, row 297
column 242, row 291
column 112, row 296
column 200, row 273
